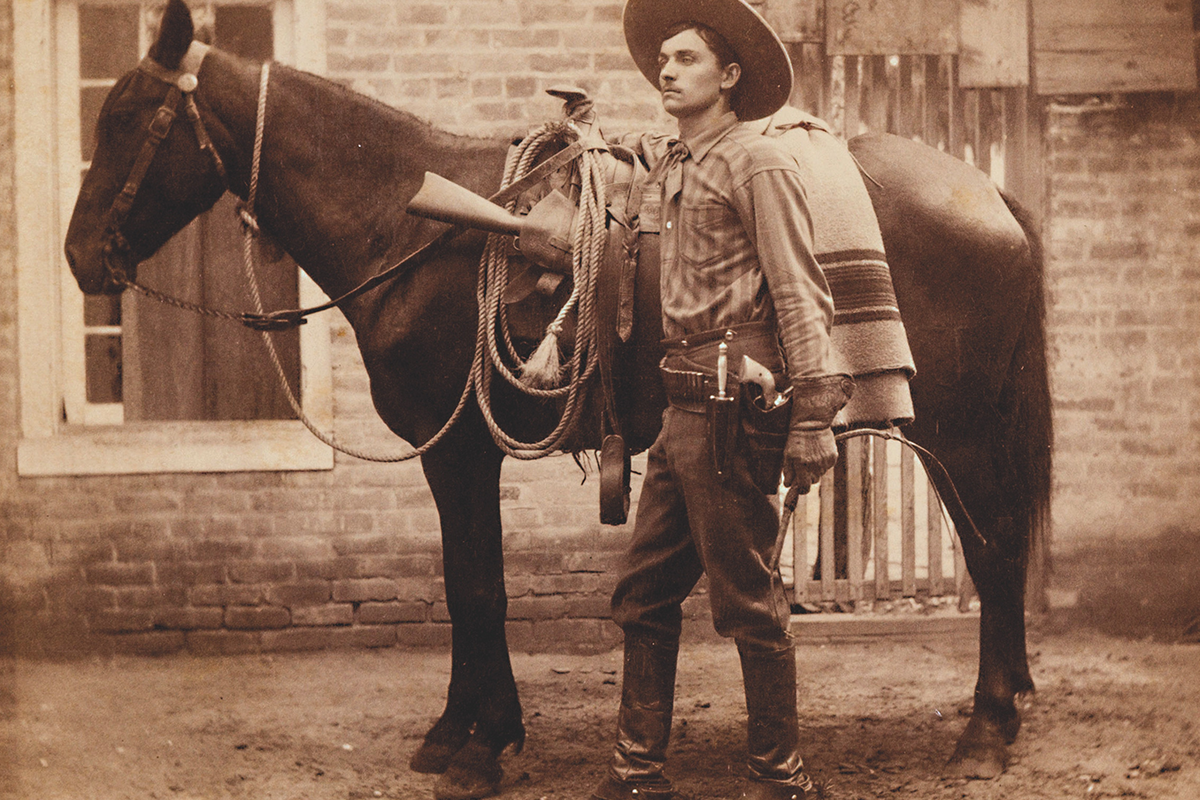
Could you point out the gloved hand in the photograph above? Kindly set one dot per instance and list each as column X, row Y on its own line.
column 811, row 450
column 807, row 456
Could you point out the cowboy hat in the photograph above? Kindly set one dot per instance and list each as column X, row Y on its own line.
column 766, row 81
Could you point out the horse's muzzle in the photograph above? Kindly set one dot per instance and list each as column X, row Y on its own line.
column 103, row 274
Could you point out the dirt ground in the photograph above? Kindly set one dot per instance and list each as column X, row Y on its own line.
column 1112, row 718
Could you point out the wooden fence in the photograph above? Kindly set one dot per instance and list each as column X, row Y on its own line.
column 884, row 537
column 881, row 533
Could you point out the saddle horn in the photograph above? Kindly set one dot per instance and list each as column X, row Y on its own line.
column 544, row 235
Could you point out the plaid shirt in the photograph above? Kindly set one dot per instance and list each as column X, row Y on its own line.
column 736, row 241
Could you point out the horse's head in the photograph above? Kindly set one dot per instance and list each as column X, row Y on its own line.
column 139, row 191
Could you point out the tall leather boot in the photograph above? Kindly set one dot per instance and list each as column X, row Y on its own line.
column 773, row 735
column 643, row 723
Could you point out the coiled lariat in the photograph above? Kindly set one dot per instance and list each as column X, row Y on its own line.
column 543, row 375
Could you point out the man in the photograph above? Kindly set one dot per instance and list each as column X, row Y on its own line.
column 737, row 270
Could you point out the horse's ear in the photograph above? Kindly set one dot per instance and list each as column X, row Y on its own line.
column 174, row 34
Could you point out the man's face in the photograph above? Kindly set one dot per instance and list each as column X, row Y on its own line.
column 690, row 77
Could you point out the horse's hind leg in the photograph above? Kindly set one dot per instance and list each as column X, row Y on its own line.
column 483, row 713
column 998, row 570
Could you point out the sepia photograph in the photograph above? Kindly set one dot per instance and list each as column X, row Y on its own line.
column 599, row 399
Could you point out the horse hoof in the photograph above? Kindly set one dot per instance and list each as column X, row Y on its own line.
column 981, row 754
column 473, row 773
column 434, row 754
column 433, row 759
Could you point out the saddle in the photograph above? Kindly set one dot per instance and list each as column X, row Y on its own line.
column 625, row 397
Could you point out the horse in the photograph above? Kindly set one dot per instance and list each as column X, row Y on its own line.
column 337, row 172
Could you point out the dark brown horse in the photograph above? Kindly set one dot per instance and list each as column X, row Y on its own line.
column 337, row 173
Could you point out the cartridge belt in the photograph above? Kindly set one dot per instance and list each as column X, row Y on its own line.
column 689, row 369
column 689, row 390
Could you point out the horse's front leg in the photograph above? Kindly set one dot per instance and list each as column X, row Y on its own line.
column 483, row 713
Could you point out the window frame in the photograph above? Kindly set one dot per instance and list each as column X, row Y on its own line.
column 50, row 305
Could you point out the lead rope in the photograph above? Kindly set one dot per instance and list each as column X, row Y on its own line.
column 250, row 230
column 587, row 254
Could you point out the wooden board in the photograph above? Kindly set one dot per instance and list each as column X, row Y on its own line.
column 891, row 27
column 794, row 20
column 1095, row 46
column 995, row 44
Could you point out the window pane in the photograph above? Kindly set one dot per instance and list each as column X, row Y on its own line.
column 101, row 309
column 108, row 40
column 90, row 101
column 103, row 354
column 246, row 31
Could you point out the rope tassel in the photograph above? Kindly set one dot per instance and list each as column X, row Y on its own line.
column 543, row 370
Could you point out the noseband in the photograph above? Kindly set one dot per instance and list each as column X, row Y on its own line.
column 182, row 83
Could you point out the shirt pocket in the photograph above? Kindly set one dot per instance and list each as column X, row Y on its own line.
column 703, row 234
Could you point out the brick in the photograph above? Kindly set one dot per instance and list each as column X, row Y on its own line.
column 82, row 598
column 303, row 593
column 329, row 569
column 593, row 606
column 188, row 618
column 424, row 634
column 151, row 596
column 119, row 574
column 361, row 545
column 257, row 617
column 298, row 639
column 571, row 635
column 221, row 550
column 567, row 583
column 424, row 14
column 400, row 566
column 226, row 595
column 358, row 591
column 122, row 620
column 157, row 643
column 140, row 549
column 537, row 608
column 261, row 571
column 331, row 614
column 383, row 613
column 223, row 642
column 295, row 548
column 156, row 502
column 191, row 573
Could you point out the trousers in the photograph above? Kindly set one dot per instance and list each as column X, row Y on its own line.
column 691, row 522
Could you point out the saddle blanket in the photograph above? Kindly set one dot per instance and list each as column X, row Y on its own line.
column 868, row 333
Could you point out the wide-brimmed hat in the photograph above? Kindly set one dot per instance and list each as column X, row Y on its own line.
column 766, row 81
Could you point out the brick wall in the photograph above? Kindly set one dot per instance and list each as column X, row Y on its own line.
column 351, row 557
column 483, row 65
column 1123, row 246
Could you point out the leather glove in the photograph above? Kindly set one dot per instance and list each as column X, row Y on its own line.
column 807, row 456
column 811, row 450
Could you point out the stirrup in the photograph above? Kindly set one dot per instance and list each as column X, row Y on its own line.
column 614, row 481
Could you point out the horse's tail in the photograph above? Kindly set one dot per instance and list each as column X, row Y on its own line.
column 1028, row 421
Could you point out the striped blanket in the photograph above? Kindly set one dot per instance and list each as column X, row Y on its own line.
column 868, row 333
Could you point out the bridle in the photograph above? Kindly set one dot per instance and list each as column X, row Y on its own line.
column 182, row 83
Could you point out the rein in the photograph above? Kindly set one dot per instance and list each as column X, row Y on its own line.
column 183, row 83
